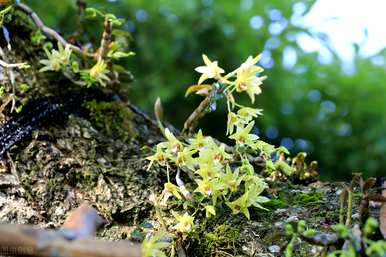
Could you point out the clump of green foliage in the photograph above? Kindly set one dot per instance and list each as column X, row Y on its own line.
column 97, row 67
column 359, row 242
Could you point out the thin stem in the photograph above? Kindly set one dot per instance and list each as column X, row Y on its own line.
column 158, row 213
column 349, row 206
column 342, row 200
column 49, row 31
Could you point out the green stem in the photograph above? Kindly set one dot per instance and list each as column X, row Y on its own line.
column 342, row 199
column 158, row 213
column 349, row 206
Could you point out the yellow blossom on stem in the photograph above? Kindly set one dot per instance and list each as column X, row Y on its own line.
column 160, row 157
column 210, row 211
column 247, row 79
column 184, row 158
column 185, row 222
column 248, row 113
column 243, row 137
column 173, row 189
column 211, row 70
column 153, row 245
column 99, row 72
column 231, row 179
column 56, row 58
column 169, row 190
column 204, row 187
column 232, row 122
column 173, row 144
column 199, row 142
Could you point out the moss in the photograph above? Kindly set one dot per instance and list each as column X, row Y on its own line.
column 219, row 241
column 306, row 198
column 276, row 204
column 113, row 119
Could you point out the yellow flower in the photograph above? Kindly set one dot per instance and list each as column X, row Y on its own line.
column 56, row 58
column 251, row 61
column 160, row 157
column 247, row 79
column 232, row 122
column 185, row 222
column 247, row 113
column 243, row 137
column 185, row 159
column 209, row 71
column 169, row 190
column 173, row 144
column 173, row 189
column 98, row 72
column 204, row 187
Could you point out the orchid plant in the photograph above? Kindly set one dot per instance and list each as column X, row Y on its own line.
column 89, row 68
column 221, row 175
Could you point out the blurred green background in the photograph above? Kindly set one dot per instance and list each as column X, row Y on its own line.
column 336, row 115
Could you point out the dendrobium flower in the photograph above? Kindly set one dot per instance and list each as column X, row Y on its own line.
column 99, row 72
column 243, row 137
column 251, row 61
column 153, row 245
column 169, row 190
column 160, row 157
column 250, row 197
column 208, row 170
column 231, row 179
column 248, row 113
column 211, row 70
column 199, row 142
column 56, row 58
column 210, row 211
column 204, row 187
column 232, row 122
column 184, row 158
column 240, row 205
column 247, row 79
column 173, row 144
column 185, row 222
column 214, row 157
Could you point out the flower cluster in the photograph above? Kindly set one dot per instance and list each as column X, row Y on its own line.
column 222, row 175
column 244, row 78
column 217, row 179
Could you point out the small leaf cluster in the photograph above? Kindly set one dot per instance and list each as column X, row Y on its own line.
column 355, row 244
column 91, row 67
